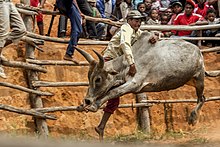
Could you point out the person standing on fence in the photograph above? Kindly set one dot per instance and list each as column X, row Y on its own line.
column 74, row 14
column 121, row 43
column 10, row 19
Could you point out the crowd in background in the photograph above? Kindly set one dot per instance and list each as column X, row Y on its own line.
column 156, row 12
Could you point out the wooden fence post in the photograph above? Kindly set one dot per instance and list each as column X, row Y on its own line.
column 35, row 100
column 143, row 115
column 168, row 117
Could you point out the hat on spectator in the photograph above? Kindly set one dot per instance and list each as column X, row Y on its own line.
column 134, row 14
column 91, row 1
column 191, row 2
column 176, row 2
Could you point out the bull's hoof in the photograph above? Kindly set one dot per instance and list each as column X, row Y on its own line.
column 193, row 118
column 100, row 133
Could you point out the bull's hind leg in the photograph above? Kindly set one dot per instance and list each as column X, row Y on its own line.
column 200, row 101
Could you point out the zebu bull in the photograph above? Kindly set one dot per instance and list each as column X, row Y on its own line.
column 166, row 65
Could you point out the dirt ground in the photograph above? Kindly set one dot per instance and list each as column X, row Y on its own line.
column 122, row 126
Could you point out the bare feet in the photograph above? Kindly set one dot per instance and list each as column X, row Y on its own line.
column 100, row 132
column 69, row 58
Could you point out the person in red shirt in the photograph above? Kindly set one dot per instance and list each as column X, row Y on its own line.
column 177, row 8
column 202, row 7
column 39, row 17
column 188, row 18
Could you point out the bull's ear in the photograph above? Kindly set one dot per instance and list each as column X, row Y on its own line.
column 112, row 71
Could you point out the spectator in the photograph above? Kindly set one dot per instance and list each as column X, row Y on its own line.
column 121, row 43
column 117, row 10
column 164, row 21
column 99, row 26
column 168, row 12
column 148, row 4
column 177, row 9
column 202, row 7
column 74, row 14
column 188, row 18
column 211, row 18
column 142, row 8
column 10, row 19
column 39, row 17
column 105, row 7
column 135, row 3
column 154, row 17
column 90, row 27
column 125, row 7
column 155, row 4
column 216, row 6
column 164, row 4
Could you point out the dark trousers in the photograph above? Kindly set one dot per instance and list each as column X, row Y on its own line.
column 62, row 26
column 76, row 29
column 86, row 9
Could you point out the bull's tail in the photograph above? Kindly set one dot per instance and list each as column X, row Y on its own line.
column 214, row 73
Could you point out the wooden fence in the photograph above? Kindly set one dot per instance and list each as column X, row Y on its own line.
column 33, row 66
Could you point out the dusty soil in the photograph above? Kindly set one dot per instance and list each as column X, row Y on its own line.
column 122, row 126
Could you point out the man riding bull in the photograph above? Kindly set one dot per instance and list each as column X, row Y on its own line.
column 121, row 43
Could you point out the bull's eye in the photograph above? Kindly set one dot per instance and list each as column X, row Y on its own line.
column 98, row 81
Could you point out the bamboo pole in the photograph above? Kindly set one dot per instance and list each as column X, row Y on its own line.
column 180, row 100
column 144, row 103
column 214, row 49
column 31, row 112
column 104, row 20
column 26, row 12
column 60, row 40
column 190, row 38
column 57, row 62
column 214, row 73
column 93, row 42
column 58, row 84
column 36, row 9
column 24, row 65
column 75, row 108
column 179, row 27
column 5, row 84
column 32, row 40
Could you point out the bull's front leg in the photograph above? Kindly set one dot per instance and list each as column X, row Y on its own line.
column 128, row 87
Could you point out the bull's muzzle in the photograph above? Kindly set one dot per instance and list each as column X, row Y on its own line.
column 89, row 105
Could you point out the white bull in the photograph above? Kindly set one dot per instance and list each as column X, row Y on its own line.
column 163, row 66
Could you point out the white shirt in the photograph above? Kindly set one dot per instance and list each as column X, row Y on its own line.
column 108, row 8
column 121, row 43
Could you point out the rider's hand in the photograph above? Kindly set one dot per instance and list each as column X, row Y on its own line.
column 132, row 70
column 153, row 39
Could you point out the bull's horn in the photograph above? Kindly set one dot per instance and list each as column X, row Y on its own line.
column 101, row 59
column 86, row 55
